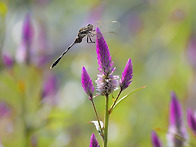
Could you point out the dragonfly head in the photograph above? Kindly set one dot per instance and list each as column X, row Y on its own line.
column 90, row 27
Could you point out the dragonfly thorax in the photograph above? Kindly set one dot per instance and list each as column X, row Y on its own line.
column 90, row 27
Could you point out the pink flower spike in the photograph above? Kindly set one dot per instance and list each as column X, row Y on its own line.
column 27, row 30
column 7, row 60
column 175, row 111
column 126, row 75
column 93, row 141
column 191, row 121
column 155, row 140
column 49, row 89
column 191, row 50
column 103, row 54
column 87, row 83
column 176, row 127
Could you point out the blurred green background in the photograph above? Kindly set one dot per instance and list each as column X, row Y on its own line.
column 155, row 34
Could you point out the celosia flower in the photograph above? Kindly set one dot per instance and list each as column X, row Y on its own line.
column 27, row 30
column 106, row 82
column 126, row 75
column 93, row 141
column 24, row 50
column 49, row 89
column 103, row 55
column 87, row 83
column 7, row 60
column 191, row 121
column 175, row 112
column 4, row 110
column 155, row 140
column 176, row 127
column 191, row 50
column 105, row 85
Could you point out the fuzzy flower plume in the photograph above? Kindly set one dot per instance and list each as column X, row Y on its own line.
column 176, row 127
column 126, row 75
column 191, row 121
column 87, row 83
column 103, row 54
column 105, row 85
column 155, row 140
column 106, row 82
column 93, row 141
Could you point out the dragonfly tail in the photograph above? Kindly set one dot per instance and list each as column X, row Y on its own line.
column 59, row 58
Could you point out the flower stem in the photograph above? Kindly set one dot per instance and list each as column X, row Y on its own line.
column 101, row 130
column 111, row 108
column 106, row 121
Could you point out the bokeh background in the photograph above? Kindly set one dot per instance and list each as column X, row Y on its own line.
column 40, row 107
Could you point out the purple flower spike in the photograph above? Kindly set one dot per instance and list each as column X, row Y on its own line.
column 27, row 30
column 126, row 75
column 175, row 111
column 155, row 140
column 191, row 50
column 23, row 54
column 93, row 141
column 87, row 83
column 103, row 55
column 191, row 121
column 4, row 110
column 50, row 89
column 176, row 127
column 7, row 60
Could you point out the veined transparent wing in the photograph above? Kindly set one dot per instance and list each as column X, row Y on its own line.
column 109, row 29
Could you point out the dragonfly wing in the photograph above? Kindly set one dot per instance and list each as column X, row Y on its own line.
column 109, row 28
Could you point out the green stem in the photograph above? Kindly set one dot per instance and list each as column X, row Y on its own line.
column 23, row 117
column 101, row 130
column 106, row 122
column 111, row 108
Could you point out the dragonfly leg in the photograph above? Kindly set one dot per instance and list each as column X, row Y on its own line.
column 91, row 34
column 89, row 37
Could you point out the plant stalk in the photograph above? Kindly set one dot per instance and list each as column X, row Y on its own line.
column 111, row 108
column 106, row 121
column 102, row 135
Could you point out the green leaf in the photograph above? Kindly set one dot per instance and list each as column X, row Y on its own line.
column 124, row 97
column 97, row 126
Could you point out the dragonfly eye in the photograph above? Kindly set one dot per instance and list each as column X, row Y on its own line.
column 90, row 26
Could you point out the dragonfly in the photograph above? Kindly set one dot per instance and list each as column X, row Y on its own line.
column 87, row 31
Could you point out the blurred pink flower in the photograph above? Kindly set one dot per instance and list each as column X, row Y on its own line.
column 23, row 54
column 191, row 118
column 4, row 110
column 155, row 140
column 49, row 89
column 176, row 125
column 7, row 60
column 191, row 50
